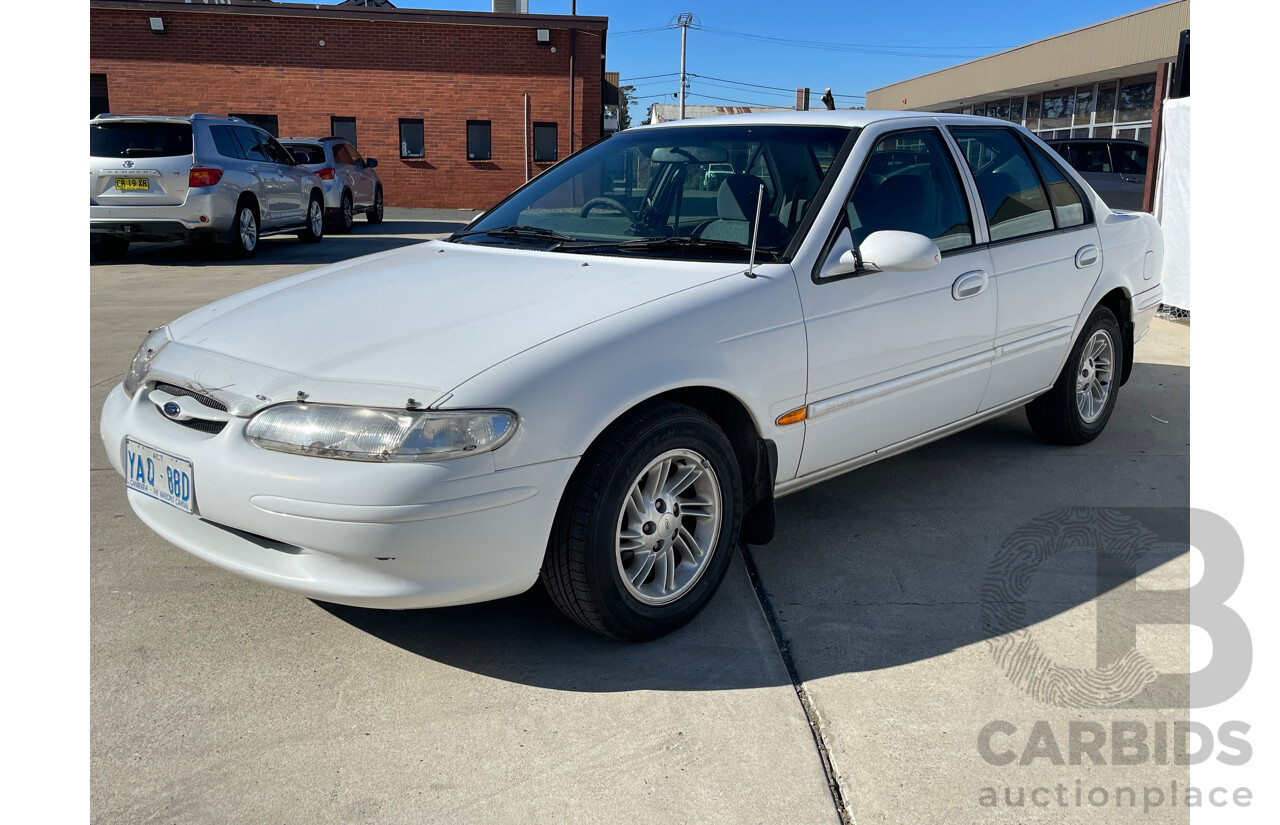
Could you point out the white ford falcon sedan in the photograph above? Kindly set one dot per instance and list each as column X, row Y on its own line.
column 605, row 381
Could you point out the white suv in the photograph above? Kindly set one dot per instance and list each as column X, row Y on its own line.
column 186, row 178
column 350, row 184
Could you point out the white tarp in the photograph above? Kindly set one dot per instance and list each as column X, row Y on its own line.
column 1173, row 201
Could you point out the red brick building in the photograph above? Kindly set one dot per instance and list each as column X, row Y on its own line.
column 438, row 97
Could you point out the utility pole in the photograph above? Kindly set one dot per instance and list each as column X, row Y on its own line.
column 683, row 21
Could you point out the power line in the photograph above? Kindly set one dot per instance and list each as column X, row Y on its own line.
column 782, row 89
column 648, row 76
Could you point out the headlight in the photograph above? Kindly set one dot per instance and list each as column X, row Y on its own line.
column 371, row 434
column 147, row 352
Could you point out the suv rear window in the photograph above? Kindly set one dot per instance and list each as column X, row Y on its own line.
column 139, row 140
column 306, row 152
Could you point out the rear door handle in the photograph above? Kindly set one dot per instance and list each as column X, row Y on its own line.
column 969, row 284
column 1086, row 257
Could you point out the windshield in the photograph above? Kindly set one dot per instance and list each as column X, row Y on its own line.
column 687, row 191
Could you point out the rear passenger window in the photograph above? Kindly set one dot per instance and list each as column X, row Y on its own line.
column 1012, row 196
column 1068, row 209
column 1131, row 160
column 249, row 143
column 225, row 141
column 909, row 183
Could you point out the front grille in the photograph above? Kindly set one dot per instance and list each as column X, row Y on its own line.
column 174, row 389
column 197, row 424
column 200, row 425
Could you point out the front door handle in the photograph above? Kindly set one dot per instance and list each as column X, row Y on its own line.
column 1086, row 257
column 969, row 284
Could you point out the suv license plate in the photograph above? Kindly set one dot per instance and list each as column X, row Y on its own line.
column 133, row 184
column 163, row 476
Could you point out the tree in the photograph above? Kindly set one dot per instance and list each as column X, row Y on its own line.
column 626, row 97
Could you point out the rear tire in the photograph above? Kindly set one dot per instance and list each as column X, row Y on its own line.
column 374, row 215
column 647, row 526
column 244, row 230
column 1078, row 407
column 108, row 248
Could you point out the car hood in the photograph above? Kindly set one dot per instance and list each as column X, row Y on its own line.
column 414, row 322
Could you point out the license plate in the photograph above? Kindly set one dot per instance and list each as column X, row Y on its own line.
column 163, row 476
column 133, row 184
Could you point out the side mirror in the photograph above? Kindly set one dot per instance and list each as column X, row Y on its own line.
column 890, row 250
column 370, row 162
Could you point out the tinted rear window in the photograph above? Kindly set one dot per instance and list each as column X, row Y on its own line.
column 306, row 152
column 139, row 140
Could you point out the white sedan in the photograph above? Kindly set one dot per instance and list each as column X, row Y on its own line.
column 607, row 379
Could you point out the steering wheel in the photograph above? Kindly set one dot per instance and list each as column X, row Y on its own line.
column 612, row 204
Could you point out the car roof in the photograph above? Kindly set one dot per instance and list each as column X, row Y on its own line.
column 320, row 140
column 112, row 117
column 1056, row 141
column 823, row 117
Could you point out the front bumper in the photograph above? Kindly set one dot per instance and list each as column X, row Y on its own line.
column 415, row 535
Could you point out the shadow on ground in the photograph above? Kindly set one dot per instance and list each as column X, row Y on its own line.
column 961, row 541
column 364, row 239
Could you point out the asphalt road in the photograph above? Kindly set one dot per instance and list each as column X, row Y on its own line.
column 923, row 636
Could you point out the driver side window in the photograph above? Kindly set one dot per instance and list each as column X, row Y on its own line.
column 910, row 183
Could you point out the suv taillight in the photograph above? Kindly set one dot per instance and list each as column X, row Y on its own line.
column 204, row 176
column 327, row 173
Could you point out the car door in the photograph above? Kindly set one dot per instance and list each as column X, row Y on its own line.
column 1130, row 161
column 361, row 177
column 893, row 355
column 294, row 183
column 1045, row 253
column 268, row 186
column 1092, row 159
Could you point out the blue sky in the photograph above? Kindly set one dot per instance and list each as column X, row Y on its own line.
column 850, row 46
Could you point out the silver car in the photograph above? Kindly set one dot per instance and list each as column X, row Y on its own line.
column 192, row 178
column 350, row 184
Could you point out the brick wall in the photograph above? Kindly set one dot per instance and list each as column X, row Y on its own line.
column 375, row 71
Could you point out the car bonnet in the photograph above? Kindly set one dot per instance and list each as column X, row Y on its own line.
column 409, row 323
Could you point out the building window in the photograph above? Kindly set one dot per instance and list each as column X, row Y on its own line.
column 545, row 137
column 1033, row 112
column 1106, row 109
column 412, row 139
column 270, row 123
column 98, row 104
column 1137, row 97
column 345, row 128
column 1084, row 107
column 479, row 143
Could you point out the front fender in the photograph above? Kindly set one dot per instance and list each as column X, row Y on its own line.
column 742, row 336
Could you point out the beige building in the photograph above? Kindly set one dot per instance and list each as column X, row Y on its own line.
column 1098, row 81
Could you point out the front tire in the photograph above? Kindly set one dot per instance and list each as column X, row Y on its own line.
column 1078, row 407
column 647, row 526
column 314, row 230
column 374, row 215
column 346, row 214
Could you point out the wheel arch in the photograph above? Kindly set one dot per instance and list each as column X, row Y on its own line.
column 1120, row 303
column 757, row 456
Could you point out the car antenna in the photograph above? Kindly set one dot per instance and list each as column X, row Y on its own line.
column 755, row 234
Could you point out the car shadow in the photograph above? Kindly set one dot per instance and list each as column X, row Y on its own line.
column 970, row 539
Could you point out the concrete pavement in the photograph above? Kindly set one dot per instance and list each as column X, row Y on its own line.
column 215, row 699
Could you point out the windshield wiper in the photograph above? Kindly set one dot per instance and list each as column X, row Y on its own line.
column 516, row 233
column 674, row 242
